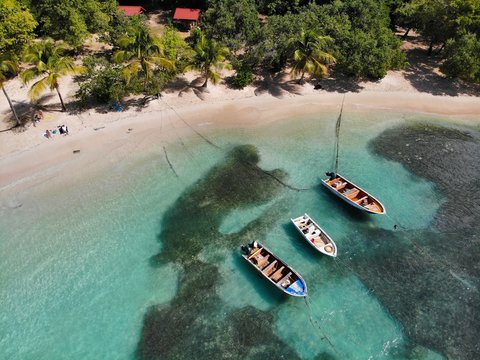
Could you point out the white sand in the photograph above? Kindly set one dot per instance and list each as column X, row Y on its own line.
column 28, row 157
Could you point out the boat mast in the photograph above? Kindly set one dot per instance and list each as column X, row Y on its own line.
column 337, row 136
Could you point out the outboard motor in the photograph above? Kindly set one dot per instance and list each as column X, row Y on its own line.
column 331, row 175
column 245, row 249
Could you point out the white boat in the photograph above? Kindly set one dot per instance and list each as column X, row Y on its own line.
column 315, row 235
column 275, row 270
column 353, row 194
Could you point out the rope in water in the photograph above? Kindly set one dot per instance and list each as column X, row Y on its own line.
column 337, row 136
column 253, row 166
column 169, row 163
column 440, row 263
column 317, row 326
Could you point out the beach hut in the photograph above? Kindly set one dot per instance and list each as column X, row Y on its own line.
column 131, row 10
column 186, row 18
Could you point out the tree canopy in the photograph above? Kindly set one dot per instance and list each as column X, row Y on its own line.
column 72, row 21
column 16, row 26
column 235, row 23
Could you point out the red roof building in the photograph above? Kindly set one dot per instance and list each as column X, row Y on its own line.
column 131, row 10
column 186, row 14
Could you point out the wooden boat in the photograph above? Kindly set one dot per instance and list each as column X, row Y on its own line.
column 315, row 235
column 353, row 194
column 275, row 270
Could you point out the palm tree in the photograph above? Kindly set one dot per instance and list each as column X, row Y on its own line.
column 209, row 55
column 310, row 55
column 50, row 64
column 8, row 66
column 141, row 51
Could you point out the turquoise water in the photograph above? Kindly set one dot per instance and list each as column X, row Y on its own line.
column 90, row 270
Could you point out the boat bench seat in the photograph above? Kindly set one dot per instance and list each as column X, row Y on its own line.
column 277, row 274
column 262, row 261
column 270, row 268
column 282, row 281
column 352, row 194
column 333, row 181
column 254, row 252
column 360, row 200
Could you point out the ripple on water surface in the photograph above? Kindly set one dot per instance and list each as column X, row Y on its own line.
column 149, row 267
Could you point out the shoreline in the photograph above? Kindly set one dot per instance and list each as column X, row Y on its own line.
column 25, row 156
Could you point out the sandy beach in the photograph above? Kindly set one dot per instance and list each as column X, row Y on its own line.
column 28, row 156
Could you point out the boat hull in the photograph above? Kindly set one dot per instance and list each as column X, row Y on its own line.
column 290, row 282
column 381, row 210
column 320, row 249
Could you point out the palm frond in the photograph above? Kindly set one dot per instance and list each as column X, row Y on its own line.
column 29, row 74
column 37, row 88
column 213, row 76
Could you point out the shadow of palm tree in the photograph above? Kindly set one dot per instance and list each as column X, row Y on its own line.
column 184, row 87
column 338, row 83
column 277, row 85
column 24, row 111
column 424, row 75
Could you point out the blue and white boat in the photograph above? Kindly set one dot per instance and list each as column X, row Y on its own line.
column 274, row 270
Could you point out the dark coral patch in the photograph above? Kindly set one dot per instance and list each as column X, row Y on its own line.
column 429, row 279
column 196, row 324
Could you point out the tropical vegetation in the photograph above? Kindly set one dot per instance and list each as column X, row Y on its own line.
column 210, row 56
column 48, row 64
column 355, row 38
column 8, row 66
column 310, row 55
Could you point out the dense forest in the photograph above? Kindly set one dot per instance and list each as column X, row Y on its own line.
column 43, row 40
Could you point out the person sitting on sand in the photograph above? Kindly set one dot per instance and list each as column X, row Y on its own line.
column 37, row 116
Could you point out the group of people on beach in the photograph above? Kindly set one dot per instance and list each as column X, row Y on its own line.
column 61, row 129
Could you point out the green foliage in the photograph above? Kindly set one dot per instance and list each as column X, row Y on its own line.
column 440, row 20
column 463, row 58
column 279, row 7
column 366, row 47
column 273, row 47
column 141, row 53
column 242, row 78
column 234, row 23
column 175, row 48
column 8, row 67
column 72, row 21
column 121, row 25
column 101, row 82
column 50, row 64
column 209, row 57
column 16, row 26
column 310, row 54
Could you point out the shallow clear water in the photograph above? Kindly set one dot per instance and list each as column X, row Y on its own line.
column 80, row 276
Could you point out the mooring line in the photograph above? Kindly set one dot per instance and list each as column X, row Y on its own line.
column 317, row 326
column 169, row 163
column 440, row 263
column 257, row 168
column 337, row 135
column 245, row 162
column 191, row 127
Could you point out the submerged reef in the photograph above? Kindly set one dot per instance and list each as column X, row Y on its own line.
column 429, row 279
column 196, row 324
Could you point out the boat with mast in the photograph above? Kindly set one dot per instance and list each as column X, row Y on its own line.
column 346, row 189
